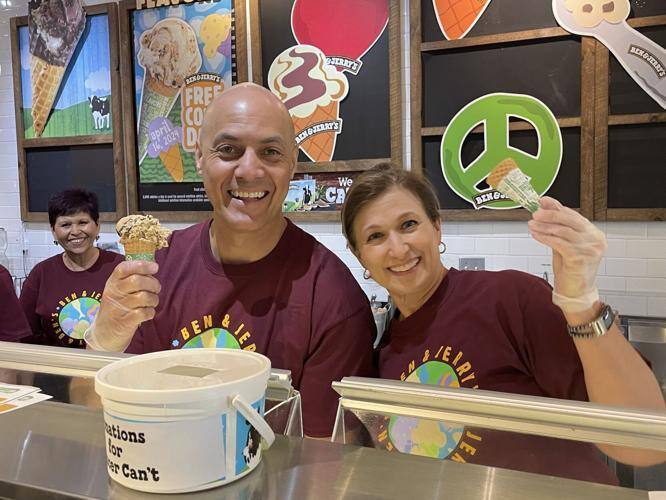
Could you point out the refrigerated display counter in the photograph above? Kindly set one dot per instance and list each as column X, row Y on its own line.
column 56, row 449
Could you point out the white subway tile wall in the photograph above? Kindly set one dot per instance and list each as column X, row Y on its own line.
column 632, row 277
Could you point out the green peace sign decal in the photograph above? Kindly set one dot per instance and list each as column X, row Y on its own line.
column 493, row 112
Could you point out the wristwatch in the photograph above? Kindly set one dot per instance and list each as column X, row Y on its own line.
column 595, row 328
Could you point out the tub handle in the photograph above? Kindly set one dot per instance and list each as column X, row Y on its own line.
column 254, row 418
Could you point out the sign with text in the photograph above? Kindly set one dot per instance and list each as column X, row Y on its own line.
column 318, row 192
column 493, row 112
column 183, row 58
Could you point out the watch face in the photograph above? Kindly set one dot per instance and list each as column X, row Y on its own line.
column 607, row 316
column 597, row 327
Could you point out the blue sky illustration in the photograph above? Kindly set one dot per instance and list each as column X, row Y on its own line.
column 88, row 72
column 194, row 15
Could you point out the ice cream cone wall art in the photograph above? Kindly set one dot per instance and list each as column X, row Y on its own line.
column 65, row 71
column 457, row 17
column 311, row 89
column 183, row 58
column 344, row 30
column 55, row 27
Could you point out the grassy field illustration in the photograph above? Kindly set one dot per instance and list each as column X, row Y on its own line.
column 67, row 122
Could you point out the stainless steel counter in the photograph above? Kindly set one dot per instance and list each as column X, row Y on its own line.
column 53, row 451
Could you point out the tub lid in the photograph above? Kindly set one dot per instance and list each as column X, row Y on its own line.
column 179, row 375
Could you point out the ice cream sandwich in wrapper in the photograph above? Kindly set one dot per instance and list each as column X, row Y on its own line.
column 509, row 180
column 141, row 235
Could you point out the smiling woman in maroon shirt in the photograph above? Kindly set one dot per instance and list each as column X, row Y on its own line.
column 61, row 295
column 496, row 331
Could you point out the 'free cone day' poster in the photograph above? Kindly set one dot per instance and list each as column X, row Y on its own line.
column 171, row 96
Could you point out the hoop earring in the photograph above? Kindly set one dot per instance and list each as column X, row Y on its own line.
column 366, row 274
column 97, row 238
column 441, row 247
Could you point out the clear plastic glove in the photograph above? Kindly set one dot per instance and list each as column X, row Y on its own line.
column 578, row 247
column 130, row 298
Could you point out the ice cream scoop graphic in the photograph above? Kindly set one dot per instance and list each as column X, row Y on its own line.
column 344, row 30
column 165, row 140
column 169, row 53
column 215, row 29
column 642, row 58
column 311, row 90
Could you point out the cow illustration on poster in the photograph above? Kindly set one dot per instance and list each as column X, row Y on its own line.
column 100, row 109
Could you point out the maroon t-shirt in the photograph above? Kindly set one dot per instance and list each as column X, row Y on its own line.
column 13, row 325
column 60, row 304
column 299, row 305
column 496, row 331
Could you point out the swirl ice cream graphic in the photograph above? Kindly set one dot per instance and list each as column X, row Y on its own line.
column 311, row 90
column 169, row 53
column 606, row 20
column 165, row 141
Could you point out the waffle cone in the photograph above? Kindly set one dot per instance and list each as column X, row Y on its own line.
column 456, row 17
column 157, row 100
column 319, row 147
column 173, row 162
column 45, row 81
column 140, row 250
column 500, row 171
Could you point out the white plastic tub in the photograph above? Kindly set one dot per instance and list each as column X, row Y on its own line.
column 184, row 420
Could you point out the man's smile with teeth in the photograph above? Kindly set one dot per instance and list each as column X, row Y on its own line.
column 405, row 267
column 247, row 194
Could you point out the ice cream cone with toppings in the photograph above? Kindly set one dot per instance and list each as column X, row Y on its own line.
column 311, row 90
column 509, row 180
column 169, row 53
column 141, row 236
column 55, row 27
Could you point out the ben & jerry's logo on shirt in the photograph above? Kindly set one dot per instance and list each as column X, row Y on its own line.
column 445, row 368
column 74, row 314
column 208, row 332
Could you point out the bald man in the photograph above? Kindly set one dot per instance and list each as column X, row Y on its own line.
column 248, row 278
